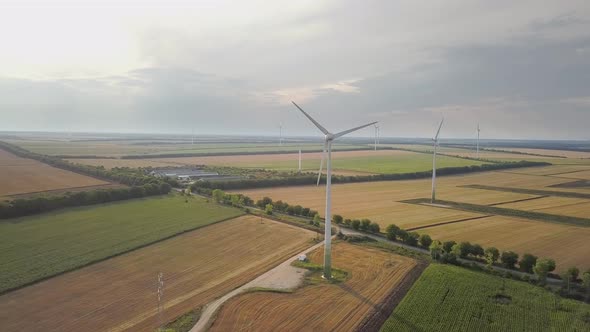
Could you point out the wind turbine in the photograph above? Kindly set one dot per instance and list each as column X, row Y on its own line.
column 281, row 134
column 435, row 143
column 328, row 139
column 376, row 136
column 299, row 160
column 478, row 130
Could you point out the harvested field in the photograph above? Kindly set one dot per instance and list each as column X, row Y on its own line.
column 568, row 245
column 555, row 170
column 379, row 201
column 559, row 153
column 374, row 274
column 120, row 294
column 24, row 176
column 344, row 162
column 575, row 207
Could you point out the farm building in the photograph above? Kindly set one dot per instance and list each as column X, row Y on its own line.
column 184, row 173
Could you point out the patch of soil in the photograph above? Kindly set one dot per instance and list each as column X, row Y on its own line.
column 573, row 184
column 501, row 299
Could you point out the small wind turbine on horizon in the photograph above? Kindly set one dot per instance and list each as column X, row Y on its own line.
column 435, row 144
column 328, row 139
column 281, row 134
column 477, row 149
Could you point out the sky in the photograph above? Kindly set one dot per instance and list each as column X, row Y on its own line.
column 521, row 69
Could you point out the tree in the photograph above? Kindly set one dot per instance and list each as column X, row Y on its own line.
column 435, row 250
column 391, row 232
column 543, row 267
column 491, row 255
column 448, row 246
column 527, row 262
column 268, row 209
column 509, row 259
column 425, row 240
column 337, row 219
column 356, row 224
column 477, row 250
column 586, row 283
column 365, row 223
column 411, row 239
column 290, row 210
column 461, row 249
column 305, row 212
column 573, row 273
column 298, row 209
column 263, row 202
column 347, row 222
column 374, row 228
column 316, row 219
column 218, row 195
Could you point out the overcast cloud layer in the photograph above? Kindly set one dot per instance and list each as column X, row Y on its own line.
column 521, row 69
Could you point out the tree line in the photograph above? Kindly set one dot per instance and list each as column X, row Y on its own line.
column 142, row 185
column 308, row 178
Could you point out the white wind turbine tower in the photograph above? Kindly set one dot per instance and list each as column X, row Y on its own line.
column 281, row 134
column 328, row 139
column 299, row 160
column 435, row 143
column 477, row 153
column 376, row 136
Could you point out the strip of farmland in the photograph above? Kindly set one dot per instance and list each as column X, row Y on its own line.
column 38, row 247
column 554, row 218
column 119, row 294
column 531, row 191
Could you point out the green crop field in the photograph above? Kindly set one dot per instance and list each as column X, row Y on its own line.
column 37, row 247
column 450, row 298
column 393, row 162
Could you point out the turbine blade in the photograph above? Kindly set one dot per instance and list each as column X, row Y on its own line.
column 438, row 132
column 324, row 130
column 322, row 162
column 342, row 133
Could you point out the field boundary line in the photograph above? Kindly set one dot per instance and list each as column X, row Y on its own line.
column 570, row 194
column 519, row 200
column 381, row 312
column 447, row 223
column 531, row 215
column 6, row 291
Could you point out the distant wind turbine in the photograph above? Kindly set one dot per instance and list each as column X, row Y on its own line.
column 435, row 144
column 328, row 139
column 281, row 134
column 376, row 136
column 299, row 160
column 477, row 153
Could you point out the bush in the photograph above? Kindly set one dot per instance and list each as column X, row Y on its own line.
column 337, row 219
column 347, row 222
column 412, row 239
column 491, row 255
column 355, row 224
column 317, row 220
column 268, row 209
column 477, row 251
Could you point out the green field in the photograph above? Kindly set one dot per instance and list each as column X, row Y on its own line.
column 450, row 298
column 394, row 163
column 37, row 247
column 123, row 148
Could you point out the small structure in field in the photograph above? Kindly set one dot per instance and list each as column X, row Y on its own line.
column 302, row 258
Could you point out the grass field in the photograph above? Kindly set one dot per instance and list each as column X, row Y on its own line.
column 362, row 162
column 119, row 294
column 568, row 245
column 560, row 153
column 37, row 247
column 449, row 298
column 23, row 176
column 321, row 307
